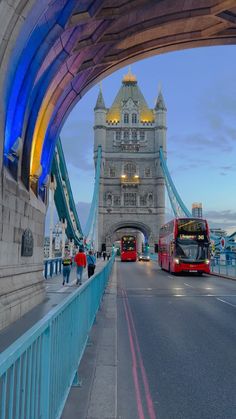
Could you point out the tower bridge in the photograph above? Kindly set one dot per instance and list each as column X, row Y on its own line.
column 51, row 54
column 132, row 183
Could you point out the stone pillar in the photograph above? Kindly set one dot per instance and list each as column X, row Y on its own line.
column 22, row 285
column 52, row 188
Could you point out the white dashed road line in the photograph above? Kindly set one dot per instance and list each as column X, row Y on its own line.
column 226, row 302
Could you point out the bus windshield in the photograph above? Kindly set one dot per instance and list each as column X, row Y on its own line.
column 128, row 243
column 191, row 250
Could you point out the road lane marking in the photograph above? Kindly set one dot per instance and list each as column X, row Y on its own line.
column 134, row 361
column 130, row 320
column 171, row 277
column 226, row 302
column 187, row 285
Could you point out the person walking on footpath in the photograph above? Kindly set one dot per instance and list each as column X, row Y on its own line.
column 104, row 255
column 66, row 263
column 80, row 260
column 91, row 262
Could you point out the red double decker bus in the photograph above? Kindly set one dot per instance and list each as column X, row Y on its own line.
column 128, row 248
column 184, row 246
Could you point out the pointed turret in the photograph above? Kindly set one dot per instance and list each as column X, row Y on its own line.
column 100, row 112
column 100, row 104
column 160, row 103
column 160, row 120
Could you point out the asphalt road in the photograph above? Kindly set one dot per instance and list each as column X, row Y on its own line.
column 176, row 344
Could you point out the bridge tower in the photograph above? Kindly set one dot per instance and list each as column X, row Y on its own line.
column 132, row 190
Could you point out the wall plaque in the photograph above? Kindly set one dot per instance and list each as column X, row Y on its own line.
column 27, row 243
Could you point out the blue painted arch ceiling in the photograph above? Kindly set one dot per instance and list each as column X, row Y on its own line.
column 62, row 52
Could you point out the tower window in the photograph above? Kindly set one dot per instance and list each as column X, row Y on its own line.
column 134, row 118
column 117, row 135
column 126, row 135
column 142, row 135
column 134, row 135
column 126, row 118
column 130, row 169
column 116, row 200
column 112, row 172
column 130, row 199
column 147, row 172
column 143, row 201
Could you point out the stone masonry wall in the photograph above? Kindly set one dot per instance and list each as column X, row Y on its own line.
column 21, row 278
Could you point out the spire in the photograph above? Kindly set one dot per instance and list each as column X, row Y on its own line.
column 160, row 103
column 129, row 77
column 100, row 104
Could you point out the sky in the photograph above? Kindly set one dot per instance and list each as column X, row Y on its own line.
column 199, row 89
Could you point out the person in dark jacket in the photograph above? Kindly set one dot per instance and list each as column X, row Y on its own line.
column 91, row 262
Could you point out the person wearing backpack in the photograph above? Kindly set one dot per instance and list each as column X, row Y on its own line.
column 66, row 263
column 91, row 262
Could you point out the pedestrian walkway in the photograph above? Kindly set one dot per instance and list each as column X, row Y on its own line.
column 96, row 398
column 55, row 293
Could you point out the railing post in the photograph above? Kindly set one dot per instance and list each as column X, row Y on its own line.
column 46, row 269
column 56, row 266
column 45, row 375
column 51, row 268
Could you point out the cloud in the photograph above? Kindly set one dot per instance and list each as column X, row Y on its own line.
column 225, row 219
column 77, row 141
column 197, row 142
column 216, row 111
column 225, row 215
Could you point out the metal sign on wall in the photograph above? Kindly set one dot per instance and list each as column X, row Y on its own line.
column 27, row 244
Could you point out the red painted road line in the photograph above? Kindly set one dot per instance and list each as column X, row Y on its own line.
column 134, row 362
column 149, row 401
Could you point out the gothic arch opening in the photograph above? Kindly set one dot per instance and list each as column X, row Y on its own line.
column 141, row 230
column 53, row 53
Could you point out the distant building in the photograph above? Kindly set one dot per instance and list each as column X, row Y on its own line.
column 218, row 232
column 46, row 247
column 197, row 209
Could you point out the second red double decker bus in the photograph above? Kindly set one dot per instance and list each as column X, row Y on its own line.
column 128, row 248
column 184, row 246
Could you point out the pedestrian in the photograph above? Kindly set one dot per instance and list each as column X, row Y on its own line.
column 66, row 263
column 80, row 260
column 91, row 262
column 108, row 256
column 104, row 254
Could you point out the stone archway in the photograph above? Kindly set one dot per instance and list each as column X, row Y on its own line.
column 134, row 225
column 51, row 53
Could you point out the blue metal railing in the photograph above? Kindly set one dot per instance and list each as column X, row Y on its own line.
column 37, row 371
column 52, row 267
column 224, row 267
